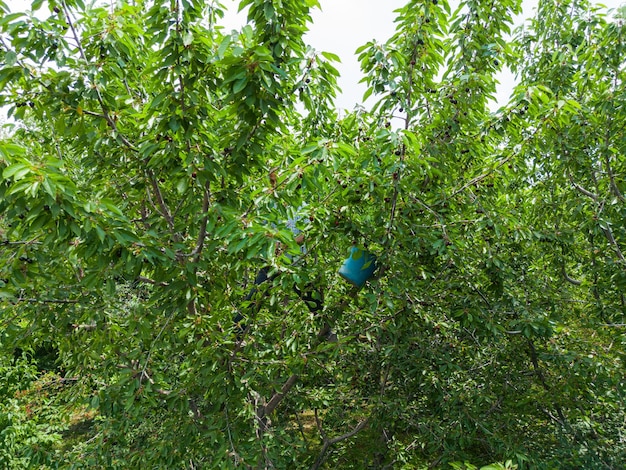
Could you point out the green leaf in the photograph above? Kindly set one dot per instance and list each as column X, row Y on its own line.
column 8, row 149
column 17, row 171
column 10, row 58
column 310, row 148
column 182, row 185
column 240, row 85
column 221, row 50
column 5, row 19
column 100, row 233
column 156, row 101
column 49, row 187
column 111, row 206
column 332, row 57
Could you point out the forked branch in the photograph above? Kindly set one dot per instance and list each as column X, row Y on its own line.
column 327, row 442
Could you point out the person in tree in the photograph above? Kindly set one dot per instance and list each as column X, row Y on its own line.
column 311, row 296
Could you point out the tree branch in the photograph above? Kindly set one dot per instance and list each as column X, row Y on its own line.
column 348, row 435
column 203, row 224
column 607, row 162
column 163, row 208
column 568, row 278
column 442, row 226
column 278, row 396
column 613, row 185
column 105, row 111
column 534, row 359
column 50, row 301
column 582, row 190
column 151, row 281
column 479, row 178
column 327, row 443
column 91, row 113
column 608, row 232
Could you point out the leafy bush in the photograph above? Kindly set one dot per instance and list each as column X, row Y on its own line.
column 31, row 422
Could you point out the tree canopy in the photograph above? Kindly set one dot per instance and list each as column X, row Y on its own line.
column 153, row 169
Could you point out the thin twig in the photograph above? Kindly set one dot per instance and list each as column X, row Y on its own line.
column 203, row 224
column 479, row 178
column 151, row 281
column 162, row 206
column 50, row 301
column 143, row 371
column 105, row 111
column 442, row 226
column 607, row 162
column 608, row 232
column 230, row 437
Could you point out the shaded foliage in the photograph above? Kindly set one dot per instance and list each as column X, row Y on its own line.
column 157, row 159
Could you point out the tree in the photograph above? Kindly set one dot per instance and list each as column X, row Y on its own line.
column 155, row 164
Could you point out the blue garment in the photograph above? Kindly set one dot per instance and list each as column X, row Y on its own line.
column 291, row 224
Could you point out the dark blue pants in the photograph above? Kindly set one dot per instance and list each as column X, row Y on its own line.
column 315, row 305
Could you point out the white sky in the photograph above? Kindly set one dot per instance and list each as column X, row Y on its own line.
column 343, row 25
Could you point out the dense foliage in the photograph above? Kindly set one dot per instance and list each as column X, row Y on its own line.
column 155, row 161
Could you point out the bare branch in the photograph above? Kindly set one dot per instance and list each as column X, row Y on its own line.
column 153, row 344
column 607, row 164
column 442, row 226
column 606, row 229
column 91, row 113
column 582, row 190
column 203, row 224
column 191, row 308
column 479, row 178
column 50, row 301
column 318, row 423
column 569, row 279
column 278, row 396
column 608, row 232
column 230, row 437
column 151, row 281
column 162, row 206
column 85, row 326
column 614, row 187
column 22, row 242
